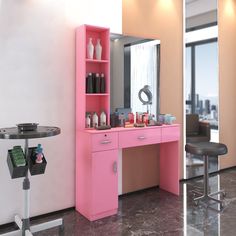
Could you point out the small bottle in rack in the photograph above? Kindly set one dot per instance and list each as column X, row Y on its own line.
column 39, row 154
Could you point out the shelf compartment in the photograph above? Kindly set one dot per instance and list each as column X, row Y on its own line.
column 15, row 171
column 102, row 34
column 97, row 104
column 36, row 168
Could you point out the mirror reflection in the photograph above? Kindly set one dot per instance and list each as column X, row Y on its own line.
column 135, row 63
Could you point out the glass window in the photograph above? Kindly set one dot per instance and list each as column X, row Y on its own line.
column 143, row 72
column 207, row 82
column 188, row 71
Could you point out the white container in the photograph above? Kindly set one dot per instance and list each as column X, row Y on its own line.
column 95, row 120
column 90, row 49
column 88, row 121
column 103, row 118
column 98, row 50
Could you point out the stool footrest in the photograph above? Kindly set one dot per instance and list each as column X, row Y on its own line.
column 208, row 197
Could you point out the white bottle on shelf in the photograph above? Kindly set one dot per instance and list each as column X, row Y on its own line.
column 95, row 120
column 103, row 118
column 98, row 50
column 90, row 49
column 88, row 120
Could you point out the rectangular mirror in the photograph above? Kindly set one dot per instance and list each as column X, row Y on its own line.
column 135, row 62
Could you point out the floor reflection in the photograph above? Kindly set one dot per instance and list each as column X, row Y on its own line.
column 156, row 212
column 194, row 165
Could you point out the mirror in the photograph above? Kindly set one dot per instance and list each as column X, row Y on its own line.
column 135, row 62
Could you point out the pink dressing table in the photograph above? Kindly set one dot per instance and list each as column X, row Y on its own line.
column 97, row 151
column 97, row 168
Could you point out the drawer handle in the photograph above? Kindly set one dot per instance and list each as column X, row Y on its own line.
column 141, row 137
column 105, row 142
column 115, row 167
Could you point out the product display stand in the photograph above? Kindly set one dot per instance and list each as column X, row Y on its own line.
column 25, row 229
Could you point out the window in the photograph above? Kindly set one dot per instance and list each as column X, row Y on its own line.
column 201, row 90
column 144, row 70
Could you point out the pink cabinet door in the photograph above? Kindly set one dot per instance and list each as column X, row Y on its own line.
column 104, row 181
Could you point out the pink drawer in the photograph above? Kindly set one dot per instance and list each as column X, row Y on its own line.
column 104, row 141
column 139, row 137
column 170, row 134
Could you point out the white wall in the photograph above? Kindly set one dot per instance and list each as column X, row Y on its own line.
column 105, row 13
column 37, row 81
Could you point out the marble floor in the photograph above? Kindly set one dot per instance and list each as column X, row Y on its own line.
column 156, row 212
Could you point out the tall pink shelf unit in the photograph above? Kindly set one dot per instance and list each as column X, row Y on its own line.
column 91, row 102
column 96, row 180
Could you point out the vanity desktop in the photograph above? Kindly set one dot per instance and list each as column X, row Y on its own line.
column 97, row 164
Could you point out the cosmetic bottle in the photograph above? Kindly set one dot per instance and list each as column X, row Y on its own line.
column 121, row 120
column 102, row 83
column 97, row 83
column 88, row 120
column 103, row 118
column 95, row 120
column 89, row 83
column 90, row 49
column 98, row 50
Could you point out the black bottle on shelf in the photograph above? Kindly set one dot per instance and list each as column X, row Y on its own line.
column 102, row 84
column 97, row 83
column 94, row 82
column 89, row 83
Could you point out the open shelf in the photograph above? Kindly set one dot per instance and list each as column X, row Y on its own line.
column 96, row 61
column 92, row 102
column 97, row 94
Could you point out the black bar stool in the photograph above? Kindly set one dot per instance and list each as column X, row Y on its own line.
column 207, row 149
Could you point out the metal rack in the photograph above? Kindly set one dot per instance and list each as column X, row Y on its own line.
column 24, row 223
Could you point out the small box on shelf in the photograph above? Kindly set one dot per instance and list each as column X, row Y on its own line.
column 36, row 168
column 16, row 171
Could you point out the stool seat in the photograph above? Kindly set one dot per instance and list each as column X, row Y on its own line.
column 206, row 148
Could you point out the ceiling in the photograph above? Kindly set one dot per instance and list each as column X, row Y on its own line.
column 197, row 7
column 190, row 1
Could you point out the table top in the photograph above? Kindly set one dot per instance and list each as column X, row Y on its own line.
column 40, row 132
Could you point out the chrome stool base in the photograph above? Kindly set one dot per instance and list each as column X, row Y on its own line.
column 206, row 197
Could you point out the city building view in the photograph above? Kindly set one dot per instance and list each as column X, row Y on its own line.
column 207, row 109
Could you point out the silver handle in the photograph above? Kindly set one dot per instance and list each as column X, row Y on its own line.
column 105, row 141
column 141, row 137
column 115, row 167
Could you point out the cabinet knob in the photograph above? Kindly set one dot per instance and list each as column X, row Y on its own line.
column 105, row 141
column 115, row 167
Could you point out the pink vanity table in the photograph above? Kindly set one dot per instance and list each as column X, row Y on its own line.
column 97, row 151
column 97, row 158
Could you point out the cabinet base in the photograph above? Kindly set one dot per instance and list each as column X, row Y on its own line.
column 98, row 216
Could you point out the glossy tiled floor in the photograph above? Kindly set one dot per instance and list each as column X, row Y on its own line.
column 156, row 212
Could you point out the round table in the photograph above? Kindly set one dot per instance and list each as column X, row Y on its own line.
column 38, row 132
